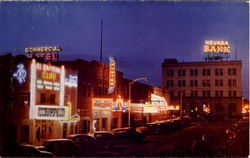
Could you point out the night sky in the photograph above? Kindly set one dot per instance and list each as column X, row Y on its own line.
column 140, row 35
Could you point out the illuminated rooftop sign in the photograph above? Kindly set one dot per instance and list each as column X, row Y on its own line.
column 112, row 78
column 48, row 53
column 20, row 74
column 216, row 49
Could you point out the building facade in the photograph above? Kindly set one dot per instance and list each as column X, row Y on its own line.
column 210, row 87
column 41, row 99
column 93, row 85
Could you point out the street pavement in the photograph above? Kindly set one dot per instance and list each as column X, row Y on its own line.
column 179, row 143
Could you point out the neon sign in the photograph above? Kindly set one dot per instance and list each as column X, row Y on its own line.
column 47, row 53
column 20, row 74
column 102, row 104
column 158, row 100
column 119, row 105
column 112, row 78
column 40, row 84
column 216, row 49
column 71, row 81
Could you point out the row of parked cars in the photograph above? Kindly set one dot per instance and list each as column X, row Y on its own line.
column 161, row 127
column 80, row 145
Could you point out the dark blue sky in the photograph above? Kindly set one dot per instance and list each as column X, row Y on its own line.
column 139, row 34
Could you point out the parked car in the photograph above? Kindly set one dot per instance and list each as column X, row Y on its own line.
column 60, row 147
column 127, row 135
column 148, row 129
column 30, row 151
column 86, row 145
column 105, row 140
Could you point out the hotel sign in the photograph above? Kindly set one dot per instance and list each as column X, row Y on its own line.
column 48, row 53
column 216, row 49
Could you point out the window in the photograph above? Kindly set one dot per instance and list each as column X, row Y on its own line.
column 208, row 83
column 52, row 99
column 208, row 93
column 192, row 94
column 234, row 82
column 183, row 93
column 191, row 83
column 171, row 93
column 234, row 71
column 170, row 73
column 221, row 72
column 104, row 123
column 95, row 92
column 216, row 72
column 221, row 83
column 217, row 93
column 229, row 94
column 204, row 72
column 196, row 93
column 208, row 72
column 179, row 72
column 172, row 83
column 183, row 83
column 196, row 72
column 26, row 99
column 203, row 93
column 204, row 83
column 167, row 83
column 100, row 91
column 191, row 72
column 234, row 93
column 221, row 93
column 229, row 83
column 24, row 133
column 89, row 91
column 179, row 83
column 179, row 93
column 42, row 98
column 229, row 71
column 84, row 88
column 216, row 83
column 183, row 72
column 196, row 83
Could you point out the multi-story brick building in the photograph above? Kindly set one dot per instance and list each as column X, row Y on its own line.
column 197, row 86
column 93, row 84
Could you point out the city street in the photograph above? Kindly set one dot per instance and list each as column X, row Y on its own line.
column 180, row 143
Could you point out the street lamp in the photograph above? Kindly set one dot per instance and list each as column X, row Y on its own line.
column 130, row 84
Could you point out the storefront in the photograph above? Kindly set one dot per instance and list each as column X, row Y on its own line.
column 51, row 110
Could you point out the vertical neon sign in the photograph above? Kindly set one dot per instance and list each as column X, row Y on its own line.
column 32, row 87
column 112, row 79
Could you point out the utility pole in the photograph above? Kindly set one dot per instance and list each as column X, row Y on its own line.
column 101, row 41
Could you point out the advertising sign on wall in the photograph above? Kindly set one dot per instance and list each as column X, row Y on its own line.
column 102, row 104
column 47, row 92
column 112, row 79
